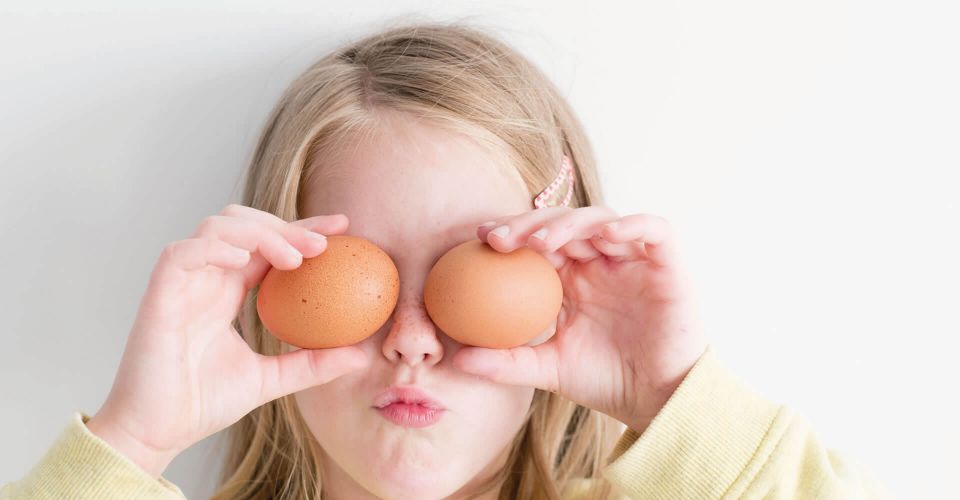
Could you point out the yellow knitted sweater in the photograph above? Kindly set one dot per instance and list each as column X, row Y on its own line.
column 715, row 438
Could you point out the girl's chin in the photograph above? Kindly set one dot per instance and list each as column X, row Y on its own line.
column 421, row 485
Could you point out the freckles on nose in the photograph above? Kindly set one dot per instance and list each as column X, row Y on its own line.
column 413, row 336
column 411, row 310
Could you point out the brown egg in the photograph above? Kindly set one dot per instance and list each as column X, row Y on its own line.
column 482, row 297
column 337, row 298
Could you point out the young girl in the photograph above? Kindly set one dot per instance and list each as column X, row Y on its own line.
column 418, row 139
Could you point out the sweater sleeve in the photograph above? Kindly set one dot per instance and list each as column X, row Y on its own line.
column 81, row 465
column 715, row 438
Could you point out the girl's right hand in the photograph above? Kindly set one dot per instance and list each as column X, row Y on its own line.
column 186, row 373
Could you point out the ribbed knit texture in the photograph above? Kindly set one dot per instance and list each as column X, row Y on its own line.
column 715, row 438
column 80, row 465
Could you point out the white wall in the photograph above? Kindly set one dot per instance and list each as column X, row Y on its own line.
column 807, row 153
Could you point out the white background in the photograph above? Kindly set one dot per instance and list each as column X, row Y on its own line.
column 806, row 152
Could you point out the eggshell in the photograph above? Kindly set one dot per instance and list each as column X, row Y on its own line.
column 483, row 297
column 337, row 298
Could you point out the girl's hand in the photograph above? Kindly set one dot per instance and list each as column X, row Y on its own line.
column 626, row 334
column 186, row 373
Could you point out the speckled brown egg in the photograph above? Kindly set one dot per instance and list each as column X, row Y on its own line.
column 483, row 297
column 337, row 298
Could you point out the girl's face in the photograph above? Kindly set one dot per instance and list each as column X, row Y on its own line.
column 416, row 190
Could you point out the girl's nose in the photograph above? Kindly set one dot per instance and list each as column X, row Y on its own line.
column 412, row 338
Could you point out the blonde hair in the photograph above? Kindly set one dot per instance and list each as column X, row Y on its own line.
column 460, row 76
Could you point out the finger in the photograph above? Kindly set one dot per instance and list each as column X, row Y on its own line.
column 305, row 235
column 267, row 246
column 197, row 253
column 557, row 258
column 511, row 232
column 297, row 370
column 274, row 244
column 528, row 366
column 630, row 250
column 655, row 233
column 323, row 224
column 579, row 224
column 580, row 250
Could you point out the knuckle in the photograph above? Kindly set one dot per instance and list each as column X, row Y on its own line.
column 291, row 229
column 231, row 209
column 172, row 250
column 207, row 225
column 280, row 237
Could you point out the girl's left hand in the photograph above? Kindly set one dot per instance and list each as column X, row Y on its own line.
column 627, row 333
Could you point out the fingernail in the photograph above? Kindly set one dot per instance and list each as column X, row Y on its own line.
column 540, row 234
column 317, row 236
column 501, row 231
column 613, row 225
column 488, row 224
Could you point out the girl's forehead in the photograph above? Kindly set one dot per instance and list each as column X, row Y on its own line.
column 436, row 186
column 405, row 192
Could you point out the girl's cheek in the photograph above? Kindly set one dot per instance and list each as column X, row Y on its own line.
column 309, row 401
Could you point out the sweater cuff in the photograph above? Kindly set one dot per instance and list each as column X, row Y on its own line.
column 81, row 465
column 707, row 434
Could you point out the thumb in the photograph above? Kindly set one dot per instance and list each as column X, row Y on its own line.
column 294, row 371
column 525, row 365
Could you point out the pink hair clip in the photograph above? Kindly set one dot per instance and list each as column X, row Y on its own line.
column 560, row 189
